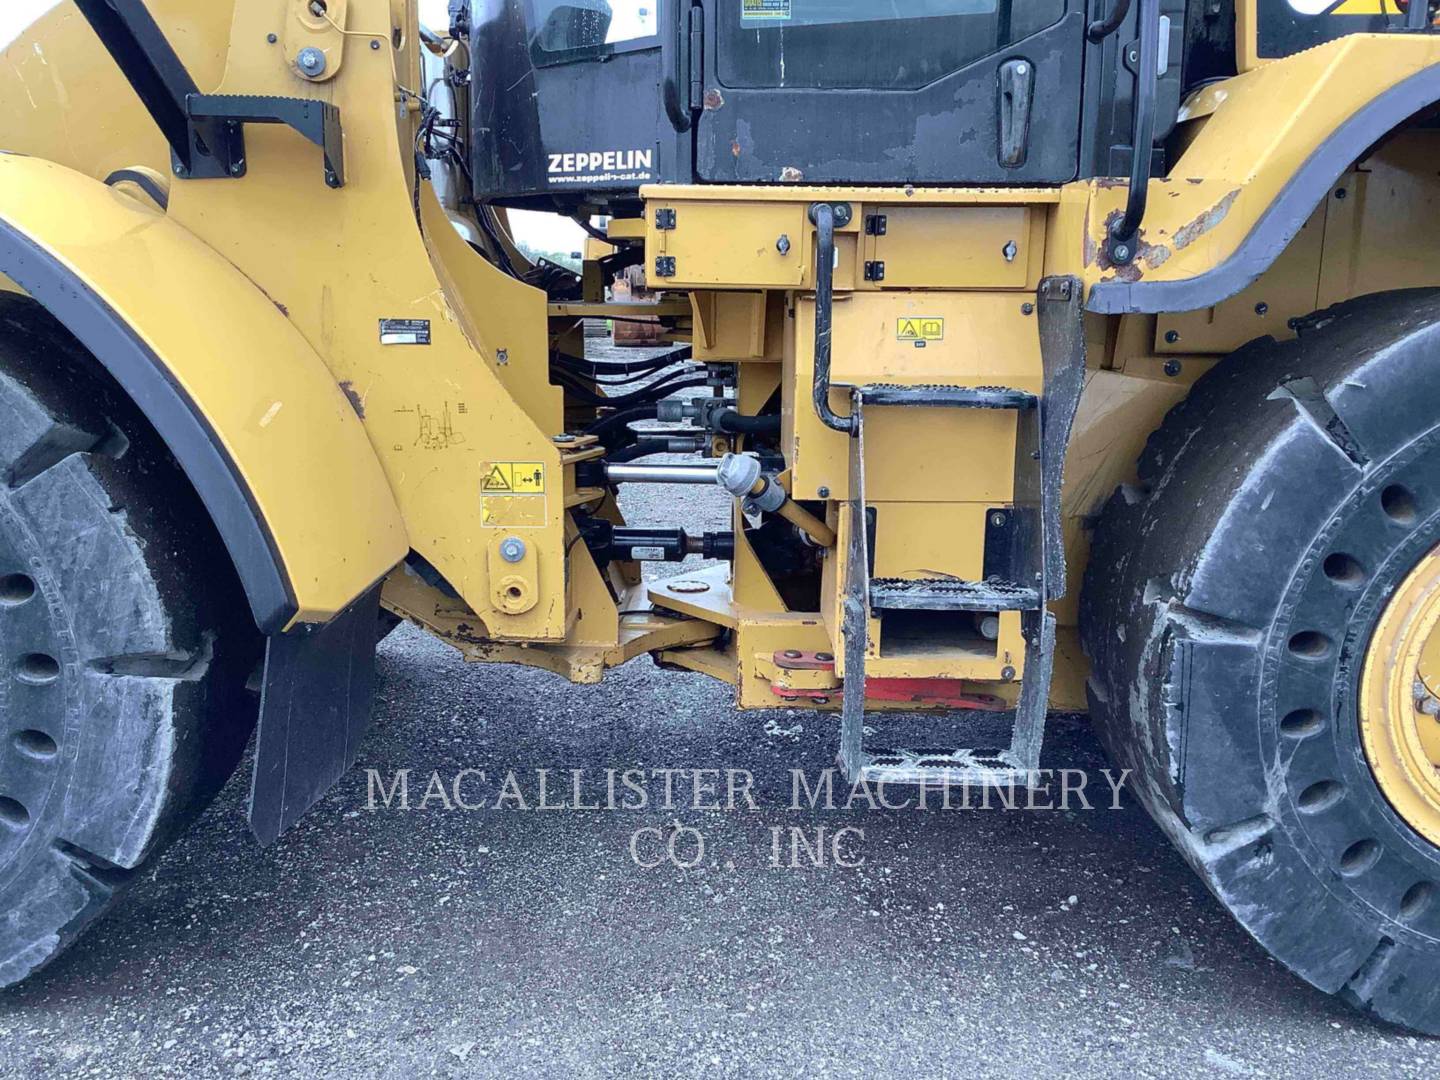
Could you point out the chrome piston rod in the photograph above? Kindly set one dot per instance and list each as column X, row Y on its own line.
column 662, row 474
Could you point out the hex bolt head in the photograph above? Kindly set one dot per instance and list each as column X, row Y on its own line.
column 997, row 519
column 512, row 549
column 1010, row 250
column 1172, row 368
column 825, row 657
column 822, row 491
column 311, row 62
column 1027, row 308
column 782, row 245
column 792, row 654
column 1261, row 308
column 1122, row 253
column 1171, row 336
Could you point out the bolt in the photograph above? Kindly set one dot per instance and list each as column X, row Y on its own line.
column 1122, row 253
column 791, row 654
column 311, row 62
column 1171, row 336
column 502, row 356
column 1340, row 193
column 1261, row 308
column 1007, row 673
column 822, row 492
column 1021, row 69
column 1010, row 250
column 565, row 438
column 375, row 44
column 783, row 244
column 997, row 519
column 237, row 168
column 271, row 38
column 512, row 549
column 1027, row 308
column 825, row 657
column 821, row 700
column 1172, row 368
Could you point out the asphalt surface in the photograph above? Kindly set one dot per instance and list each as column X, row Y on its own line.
column 501, row 941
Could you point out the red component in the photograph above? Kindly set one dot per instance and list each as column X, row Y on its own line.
column 947, row 692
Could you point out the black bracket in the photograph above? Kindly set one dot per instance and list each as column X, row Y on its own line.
column 318, row 121
column 205, row 131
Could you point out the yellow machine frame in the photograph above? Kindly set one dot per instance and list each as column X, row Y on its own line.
column 449, row 450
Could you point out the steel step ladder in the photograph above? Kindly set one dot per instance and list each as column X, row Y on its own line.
column 1042, row 434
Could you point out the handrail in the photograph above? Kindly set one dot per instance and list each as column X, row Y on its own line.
column 1100, row 29
column 1125, row 231
column 826, row 217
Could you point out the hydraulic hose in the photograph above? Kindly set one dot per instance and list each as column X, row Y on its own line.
column 735, row 423
column 614, row 431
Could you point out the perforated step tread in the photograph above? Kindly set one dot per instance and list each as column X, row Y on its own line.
column 951, row 594
column 937, row 768
column 938, row 396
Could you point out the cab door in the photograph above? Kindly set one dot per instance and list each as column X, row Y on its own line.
column 861, row 91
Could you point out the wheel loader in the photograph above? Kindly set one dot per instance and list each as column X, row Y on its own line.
column 1051, row 355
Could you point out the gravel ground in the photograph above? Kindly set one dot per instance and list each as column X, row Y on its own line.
column 496, row 942
column 378, row 941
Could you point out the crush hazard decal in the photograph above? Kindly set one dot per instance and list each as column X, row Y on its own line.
column 601, row 166
column 512, row 493
column 919, row 329
column 515, row 478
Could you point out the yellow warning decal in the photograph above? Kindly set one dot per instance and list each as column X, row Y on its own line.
column 919, row 328
column 515, row 478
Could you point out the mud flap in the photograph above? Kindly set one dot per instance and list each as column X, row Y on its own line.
column 315, row 706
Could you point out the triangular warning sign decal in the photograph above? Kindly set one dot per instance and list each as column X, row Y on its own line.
column 908, row 329
column 497, row 480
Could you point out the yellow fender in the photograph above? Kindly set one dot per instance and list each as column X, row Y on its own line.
column 1263, row 150
column 250, row 411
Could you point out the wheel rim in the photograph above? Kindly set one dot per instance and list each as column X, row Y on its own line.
column 1400, row 699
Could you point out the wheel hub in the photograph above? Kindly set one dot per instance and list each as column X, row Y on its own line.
column 1400, row 699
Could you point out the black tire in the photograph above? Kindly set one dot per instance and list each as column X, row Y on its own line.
column 1200, row 581
column 124, row 643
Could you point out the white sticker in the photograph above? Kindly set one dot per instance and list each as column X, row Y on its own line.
column 601, row 166
column 404, row 331
column 760, row 12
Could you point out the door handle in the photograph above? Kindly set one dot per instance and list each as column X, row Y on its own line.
column 1016, row 79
